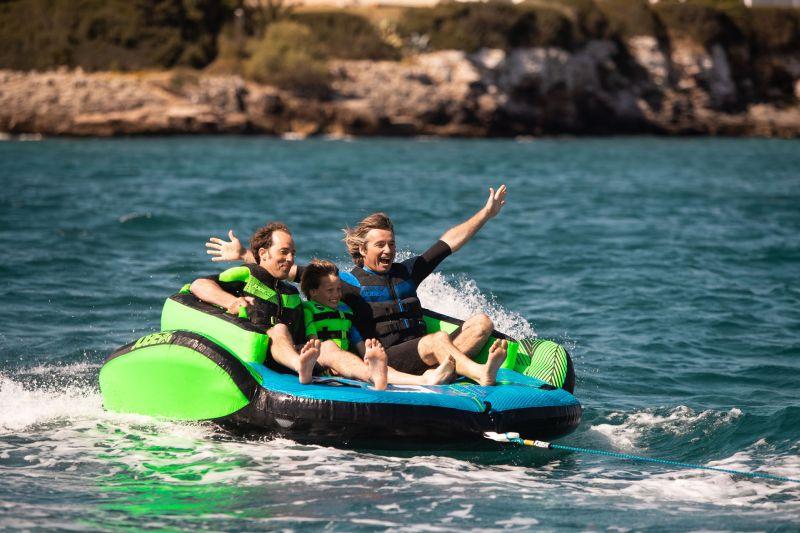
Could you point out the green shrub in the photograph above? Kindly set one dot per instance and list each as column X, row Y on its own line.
column 493, row 24
column 461, row 26
column 775, row 30
column 588, row 20
column 290, row 57
column 346, row 36
column 701, row 21
column 537, row 26
column 763, row 29
column 629, row 18
column 101, row 34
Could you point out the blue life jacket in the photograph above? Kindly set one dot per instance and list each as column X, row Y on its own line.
column 393, row 302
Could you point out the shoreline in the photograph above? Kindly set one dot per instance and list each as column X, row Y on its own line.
column 6, row 137
column 492, row 93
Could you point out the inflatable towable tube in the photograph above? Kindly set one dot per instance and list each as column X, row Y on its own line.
column 209, row 365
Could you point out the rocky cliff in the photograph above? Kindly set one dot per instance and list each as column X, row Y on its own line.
column 603, row 87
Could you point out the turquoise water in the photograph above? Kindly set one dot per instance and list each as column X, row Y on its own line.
column 668, row 267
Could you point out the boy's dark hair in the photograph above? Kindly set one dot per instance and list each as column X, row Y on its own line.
column 262, row 238
column 313, row 274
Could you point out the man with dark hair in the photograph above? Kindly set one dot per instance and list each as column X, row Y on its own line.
column 266, row 299
column 383, row 295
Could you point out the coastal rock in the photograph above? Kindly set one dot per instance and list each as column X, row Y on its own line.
column 683, row 88
column 647, row 52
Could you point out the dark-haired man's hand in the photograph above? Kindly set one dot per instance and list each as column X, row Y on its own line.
column 226, row 250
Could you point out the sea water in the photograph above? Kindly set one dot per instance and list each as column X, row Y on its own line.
column 669, row 268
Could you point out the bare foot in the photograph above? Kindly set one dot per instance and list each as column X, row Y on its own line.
column 375, row 357
column 442, row 373
column 308, row 358
column 497, row 355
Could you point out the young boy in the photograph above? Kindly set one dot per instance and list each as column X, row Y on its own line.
column 329, row 320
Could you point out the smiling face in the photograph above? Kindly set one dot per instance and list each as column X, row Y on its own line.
column 378, row 250
column 329, row 291
column 278, row 259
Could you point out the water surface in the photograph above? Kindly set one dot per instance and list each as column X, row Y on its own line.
column 668, row 267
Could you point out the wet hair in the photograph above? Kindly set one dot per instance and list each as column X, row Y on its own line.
column 313, row 274
column 354, row 238
column 262, row 238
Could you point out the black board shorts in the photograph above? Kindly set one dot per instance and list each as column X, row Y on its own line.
column 405, row 356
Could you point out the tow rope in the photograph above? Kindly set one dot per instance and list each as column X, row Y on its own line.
column 516, row 439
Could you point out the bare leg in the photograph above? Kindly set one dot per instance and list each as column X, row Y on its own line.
column 434, row 376
column 444, row 373
column 283, row 351
column 373, row 368
column 342, row 363
column 475, row 331
column 437, row 347
column 375, row 357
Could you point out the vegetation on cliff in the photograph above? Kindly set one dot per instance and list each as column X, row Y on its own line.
column 290, row 56
column 109, row 34
column 288, row 47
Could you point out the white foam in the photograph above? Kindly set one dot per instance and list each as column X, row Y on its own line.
column 718, row 488
column 518, row 522
column 691, row 485
column 127, row 217
column 463, row 299
column 24, row 406
column 633, row 426
column 50, row 369
column 184, row 453
column 464, row 512
column 373, row 522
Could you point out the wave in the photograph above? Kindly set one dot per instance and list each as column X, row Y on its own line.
column 57, row 431
column 632, row 431
column 721, row 489
column 127, row 217
column 35, row 401
column 461, row 298
column 628, row 430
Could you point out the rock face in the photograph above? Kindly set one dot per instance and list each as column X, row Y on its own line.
column 600, row 88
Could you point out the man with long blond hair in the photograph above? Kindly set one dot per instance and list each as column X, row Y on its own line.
column 384, row 300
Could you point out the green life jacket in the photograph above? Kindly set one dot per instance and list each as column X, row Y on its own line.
column 326, row 323
column 274, row 304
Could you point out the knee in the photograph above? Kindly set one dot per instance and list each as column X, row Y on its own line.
column 328, row 346
column 482, row 323
column 278, row 330
column 440, row 337
column 433, row 341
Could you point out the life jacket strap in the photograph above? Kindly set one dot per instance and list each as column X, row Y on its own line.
column 327, row 315
column 326, row 334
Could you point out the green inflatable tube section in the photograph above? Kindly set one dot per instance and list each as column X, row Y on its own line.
column 178, row 374
column 157, row 377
